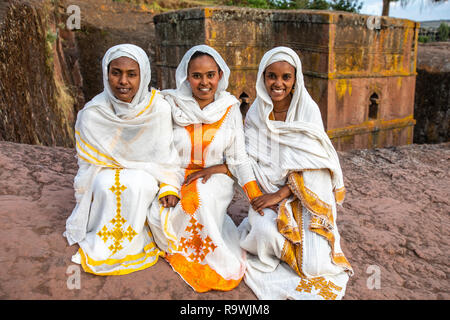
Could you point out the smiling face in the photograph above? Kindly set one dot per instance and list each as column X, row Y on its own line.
column 124, row 78
column 203, row 76
column 279, row 80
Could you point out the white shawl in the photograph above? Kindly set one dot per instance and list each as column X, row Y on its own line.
column 296, row 144
column 185, row 109
column 114, row 134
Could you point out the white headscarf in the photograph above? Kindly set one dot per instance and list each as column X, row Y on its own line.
column 113, row 134
column 124, row 109
column 185, row 109
column 299, row 142
column 302, row 107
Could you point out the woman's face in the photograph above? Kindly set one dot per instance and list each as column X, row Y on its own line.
column 124, row 78
column 203, row 76
column 279, row 79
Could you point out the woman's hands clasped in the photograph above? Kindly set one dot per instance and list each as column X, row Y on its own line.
column 169, row 201
column 270, row 200
column 206, row 173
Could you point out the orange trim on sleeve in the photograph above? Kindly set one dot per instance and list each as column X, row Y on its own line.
column 339, row 195
column 190, row 199
column 252, row 190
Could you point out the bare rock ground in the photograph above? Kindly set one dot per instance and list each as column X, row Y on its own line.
column 394, row 224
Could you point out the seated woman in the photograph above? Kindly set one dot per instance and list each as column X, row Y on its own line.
column 294, row 246
column 201, row 239
column 124, row 143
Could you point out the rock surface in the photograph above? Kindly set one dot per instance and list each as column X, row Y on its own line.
column 394, row 223
column 432, row 95
column 40, row 79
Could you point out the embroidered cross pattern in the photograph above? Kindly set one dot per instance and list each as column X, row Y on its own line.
column 325, row 287
column 197, row 245
column 117, row 233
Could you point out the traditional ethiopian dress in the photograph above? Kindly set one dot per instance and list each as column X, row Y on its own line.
column 201, row 239
column 126, row 158
column 294, row 253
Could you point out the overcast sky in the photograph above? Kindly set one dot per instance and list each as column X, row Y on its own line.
column 417, row 10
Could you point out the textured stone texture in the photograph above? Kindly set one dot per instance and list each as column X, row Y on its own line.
column 395, row 217
column 344, row 63
column 48, row 72
column 40, row 82
column 106, row 23
column 432, row 96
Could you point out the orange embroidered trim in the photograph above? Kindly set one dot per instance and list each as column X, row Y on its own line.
column 309, row 199
column 252, row 190
column 292, row 252
column 200, row 276
column 319, row 283
column 337, row 258
column 190, row 199
column 201, row 137
column 339, row 195
column 322, row 220
column 284, row 225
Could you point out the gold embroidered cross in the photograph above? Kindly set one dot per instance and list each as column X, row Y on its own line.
column 117, row 233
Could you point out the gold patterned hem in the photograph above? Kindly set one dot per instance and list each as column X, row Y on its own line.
column 326, row 289
column 322, row 220
column 292, row 252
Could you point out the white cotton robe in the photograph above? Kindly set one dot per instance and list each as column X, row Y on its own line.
column 126, row 157
column 201, row 239
column 294, row 253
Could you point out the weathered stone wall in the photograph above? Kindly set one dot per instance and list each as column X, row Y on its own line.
column 104, row 24
column 432, row 96
column 48, row 72
column 347, row 65
column 39, row 82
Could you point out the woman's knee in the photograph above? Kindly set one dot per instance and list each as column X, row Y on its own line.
column 265, row 226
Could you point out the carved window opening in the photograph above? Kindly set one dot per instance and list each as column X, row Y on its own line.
column 374, row 106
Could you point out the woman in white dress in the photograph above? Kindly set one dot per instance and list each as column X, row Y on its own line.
column 126, row 158
column 294, row 247
column 201, row 239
